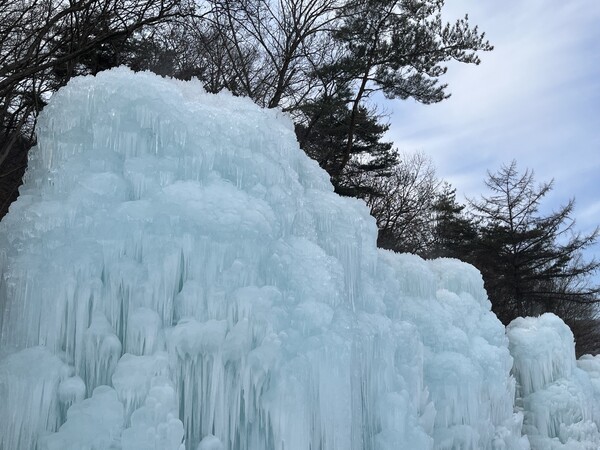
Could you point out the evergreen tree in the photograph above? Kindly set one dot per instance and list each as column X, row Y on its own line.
column 455, row 234
column 531, row 263
column 324, row 136
column 399, row 47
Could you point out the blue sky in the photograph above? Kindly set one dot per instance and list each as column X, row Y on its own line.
column 535, row 99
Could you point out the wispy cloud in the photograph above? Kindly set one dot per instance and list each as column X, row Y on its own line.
column 535, row 99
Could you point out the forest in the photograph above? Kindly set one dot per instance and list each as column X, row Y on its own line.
column 321, row 62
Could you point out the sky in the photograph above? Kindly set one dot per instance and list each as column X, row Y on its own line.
column 535, row 99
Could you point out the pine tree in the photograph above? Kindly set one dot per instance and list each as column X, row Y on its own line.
column 323, row 136
column 399, row 47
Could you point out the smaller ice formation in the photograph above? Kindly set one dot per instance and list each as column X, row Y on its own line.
column 560, row 397
column 177, row 274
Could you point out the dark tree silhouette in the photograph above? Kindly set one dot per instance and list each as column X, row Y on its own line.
column 532, row 263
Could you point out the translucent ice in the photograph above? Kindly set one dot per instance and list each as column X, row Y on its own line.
column 94, row 423
column 178, row 274
column 30, row 400
column 558, row 398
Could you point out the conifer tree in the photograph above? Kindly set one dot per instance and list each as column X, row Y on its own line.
column 454, row 232
column 324, row 136
column 399, row 47
column 531, row 262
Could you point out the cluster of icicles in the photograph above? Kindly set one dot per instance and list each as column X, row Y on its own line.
column 177, row 274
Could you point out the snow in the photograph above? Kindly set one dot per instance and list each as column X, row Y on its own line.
column 177, row 274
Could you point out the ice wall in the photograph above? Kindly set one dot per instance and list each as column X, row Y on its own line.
column 560, row 397
column 176, row 273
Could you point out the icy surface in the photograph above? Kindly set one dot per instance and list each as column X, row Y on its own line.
column 94, row 423
column 30, row 383
column 178, row 274
column 559, row 395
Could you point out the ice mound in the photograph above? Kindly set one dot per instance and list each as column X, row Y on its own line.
column 560, row 396
column 176, row 273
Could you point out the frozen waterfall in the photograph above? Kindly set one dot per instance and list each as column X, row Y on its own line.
column 177, row 274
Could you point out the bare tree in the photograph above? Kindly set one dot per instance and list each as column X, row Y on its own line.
column 403, row 204
column 286, row 40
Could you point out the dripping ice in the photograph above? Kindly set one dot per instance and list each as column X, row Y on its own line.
column 177, row 274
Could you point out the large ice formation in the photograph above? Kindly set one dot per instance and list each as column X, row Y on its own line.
column 560, row 397
column 176, row 273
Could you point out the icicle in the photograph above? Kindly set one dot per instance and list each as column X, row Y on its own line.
column 101, row 354
column 254, row 310
column 29, row 393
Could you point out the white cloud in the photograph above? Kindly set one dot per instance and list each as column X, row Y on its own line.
column 535, row 98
